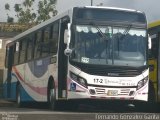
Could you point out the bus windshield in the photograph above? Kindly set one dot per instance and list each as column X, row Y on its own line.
column 108, row 45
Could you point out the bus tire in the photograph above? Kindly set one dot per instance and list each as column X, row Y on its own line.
column 151, row 93
column 51, row 97
column 18, row 96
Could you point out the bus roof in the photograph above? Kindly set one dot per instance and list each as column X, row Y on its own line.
column 114, row 8
column 39, row 26
column 154, row 24
column 61, row 16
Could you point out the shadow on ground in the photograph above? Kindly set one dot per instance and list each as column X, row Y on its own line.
column 100, row 107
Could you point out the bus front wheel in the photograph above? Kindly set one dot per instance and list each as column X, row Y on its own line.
column 51, row 98
column 18, row 96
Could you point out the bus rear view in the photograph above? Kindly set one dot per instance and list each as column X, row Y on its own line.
column 108, row 54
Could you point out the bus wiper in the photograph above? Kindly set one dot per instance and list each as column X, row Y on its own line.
column 123, row 35
column 99, row 30
column 126, row 31
column 103, row 36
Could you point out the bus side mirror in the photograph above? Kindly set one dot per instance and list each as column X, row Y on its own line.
column 66, row 36
column 67, row 52
column 149, row 42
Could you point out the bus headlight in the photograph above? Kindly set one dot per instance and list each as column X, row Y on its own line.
column 82, row 81
column 142, row 83
column 78, row 79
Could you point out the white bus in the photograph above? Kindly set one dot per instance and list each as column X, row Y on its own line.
column 84, row 53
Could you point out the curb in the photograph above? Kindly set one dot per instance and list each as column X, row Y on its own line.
column 5, row 103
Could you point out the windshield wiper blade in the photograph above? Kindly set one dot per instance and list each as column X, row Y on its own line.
column 126, row 31
column 99, row 30
column 103, row 36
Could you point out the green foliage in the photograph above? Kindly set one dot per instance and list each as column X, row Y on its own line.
column 10, row 19
column 7, row 6
column 17, row 8
column 46, row 9
column 26, row 13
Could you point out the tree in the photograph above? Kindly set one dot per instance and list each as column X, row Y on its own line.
column 26, row 13
column 46, row 9
column 7, row 6
column 9, row 19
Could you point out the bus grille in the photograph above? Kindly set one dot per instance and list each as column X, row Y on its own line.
column 112, row 72
column 100, row 91
column 124, row 92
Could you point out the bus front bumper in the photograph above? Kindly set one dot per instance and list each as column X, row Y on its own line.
column 110, row 93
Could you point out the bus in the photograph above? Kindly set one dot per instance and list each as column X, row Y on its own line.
column 154, row 53
column 86, row 53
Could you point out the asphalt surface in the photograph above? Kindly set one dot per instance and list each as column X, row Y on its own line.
column 101, row 111
column 5, row 103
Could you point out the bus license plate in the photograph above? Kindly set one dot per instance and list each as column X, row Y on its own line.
column 112, row 92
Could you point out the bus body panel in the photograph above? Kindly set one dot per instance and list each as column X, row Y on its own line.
column 106, row 84
column 33, row 77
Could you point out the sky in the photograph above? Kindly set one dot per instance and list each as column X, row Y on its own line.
column 150, row 7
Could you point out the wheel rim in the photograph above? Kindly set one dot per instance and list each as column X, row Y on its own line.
column 18, row 98
column 52, row 98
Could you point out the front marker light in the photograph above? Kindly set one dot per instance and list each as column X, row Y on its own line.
column 145, row 80
column 78, row 79
column 142, row 82
column 74, row 76
column 82, row 81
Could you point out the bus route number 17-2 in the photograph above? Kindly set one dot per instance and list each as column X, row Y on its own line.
column 98, row 80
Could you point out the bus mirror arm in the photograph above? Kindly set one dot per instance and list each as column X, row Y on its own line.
column 67, row 35
column 149, row 42
column 67, row 52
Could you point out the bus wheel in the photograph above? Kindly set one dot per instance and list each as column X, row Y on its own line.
column 52, row 98
column 18, row 97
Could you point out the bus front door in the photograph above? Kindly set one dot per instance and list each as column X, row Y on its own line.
column 9, row 72
column 62, row 64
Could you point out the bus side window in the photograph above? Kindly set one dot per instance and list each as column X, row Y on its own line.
column 153, row 52
column 46, row 34
column 45, row 44
column 37, row 44
column 16, row 53
column 29, row 47
column 23, row 48
column 54, row 38
column 6, row 57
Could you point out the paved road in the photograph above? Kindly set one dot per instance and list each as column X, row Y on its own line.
column 109, row 111
column 36, row 114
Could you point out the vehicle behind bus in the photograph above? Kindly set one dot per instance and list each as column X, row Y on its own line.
column 154, row 31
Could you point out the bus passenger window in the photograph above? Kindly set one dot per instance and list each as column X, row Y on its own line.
column 37, row 44
column 16, row 54
column 29, row 47
column 46, row 34
column 23, row 46
column 54, row 39
column 153, row 52
column 45, row 44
